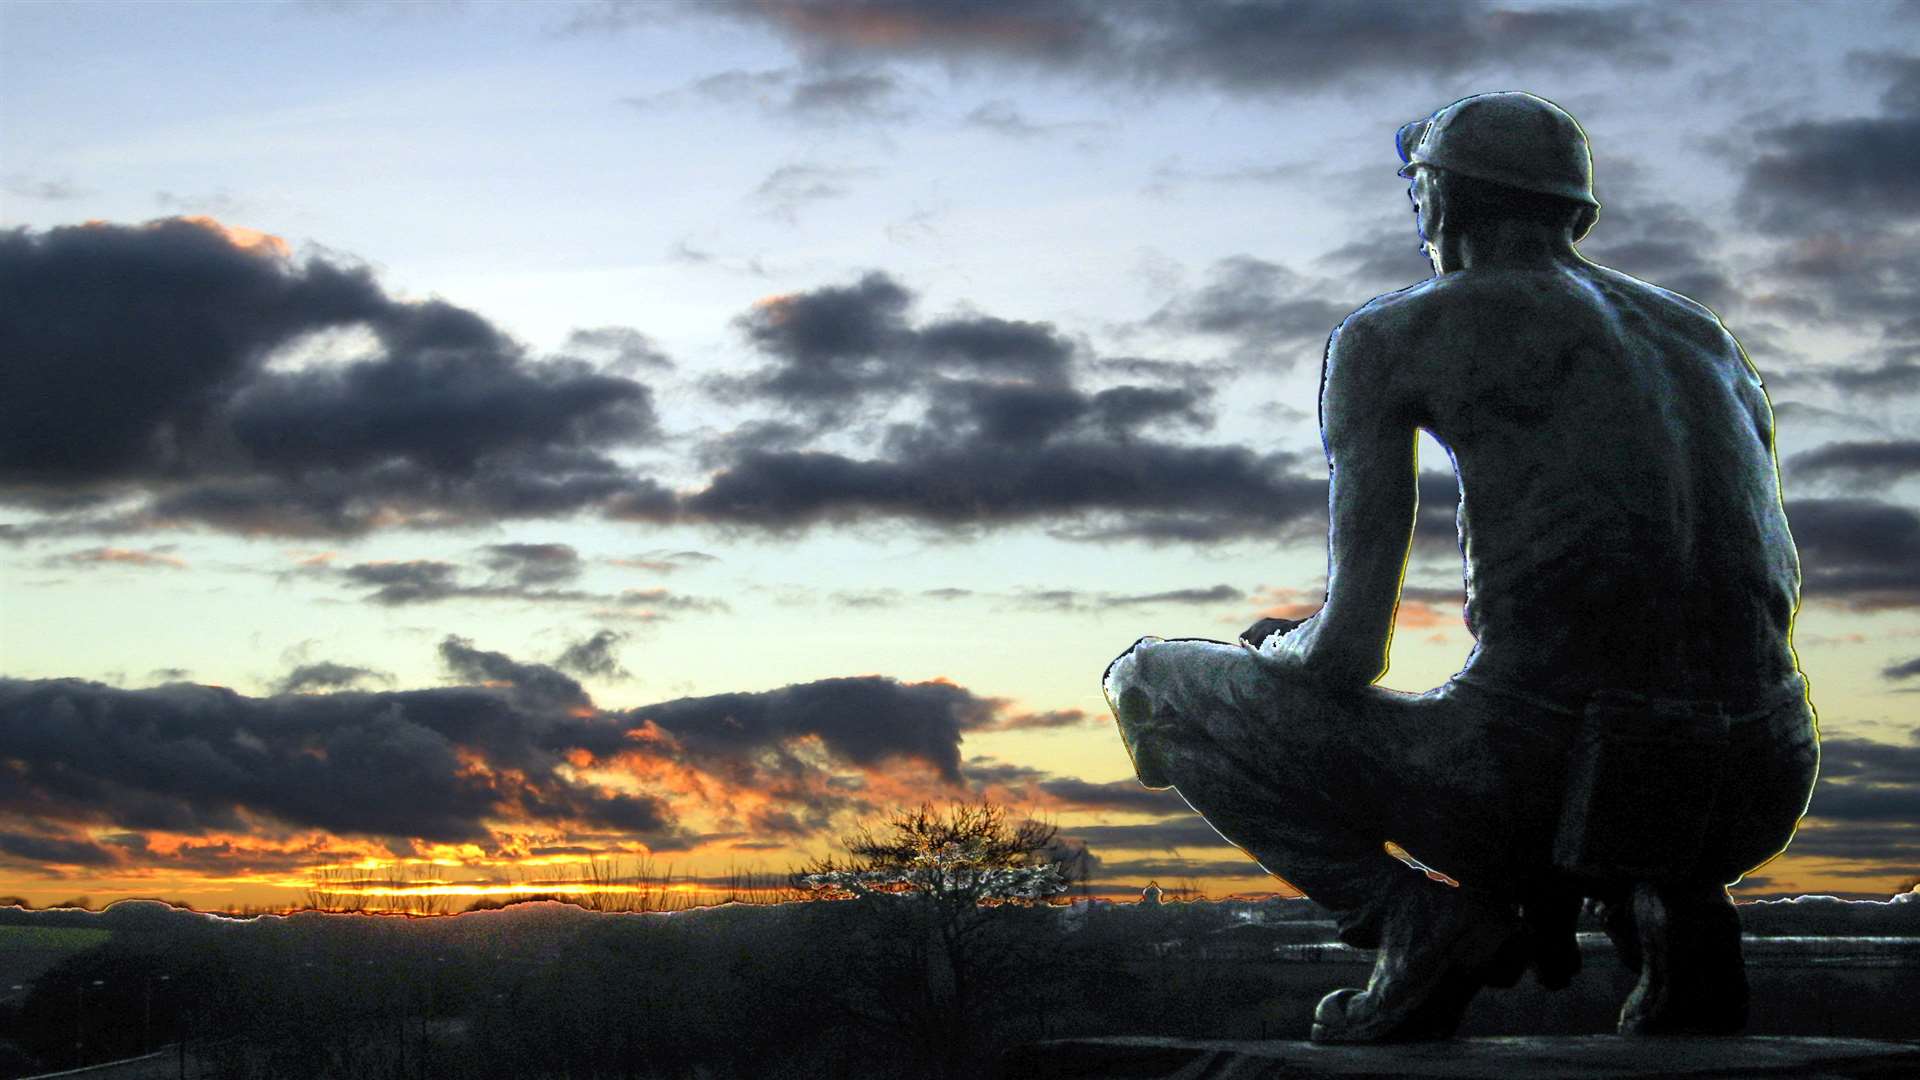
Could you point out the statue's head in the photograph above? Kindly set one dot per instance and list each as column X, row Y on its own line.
column 1501, row 156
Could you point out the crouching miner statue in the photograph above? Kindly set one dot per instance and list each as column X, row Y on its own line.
column 1631, row 727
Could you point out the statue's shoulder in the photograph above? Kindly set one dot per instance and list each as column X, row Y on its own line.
column 1404, row 322
column 1677, row 306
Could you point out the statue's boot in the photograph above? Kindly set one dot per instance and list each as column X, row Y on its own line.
column 1693, row 980
column 1439, row 945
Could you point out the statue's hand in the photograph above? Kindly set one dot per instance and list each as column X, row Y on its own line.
column 1257, row 634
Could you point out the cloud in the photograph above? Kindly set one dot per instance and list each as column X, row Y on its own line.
column 1859, row 552
column 327, row 675
column 1865, row 804
column 595, row 657
column 858, row 95
column 1006, row 433
column 1878, row 462
column 516, row 755
column 116, row 556
column 838, row 345
column 432, row 765
column 521, row 572
column 53, row 849
column 536, row 684
column 145, row 376
column 1141, row 490
column 863, row 721
column 661, row 561
column 1170, row 835
column 528, row 565
column 1266, row 310
column 1808, row 173
column 1904, row 670
column 620, row 348
column 1256, row 48
column 809, row 96
column 1079, row 600
column 791, row 188
column 412, row 582
column 1895, row 375
column 1002, row 117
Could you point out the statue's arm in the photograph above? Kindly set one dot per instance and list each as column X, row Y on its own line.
column 1369, row 432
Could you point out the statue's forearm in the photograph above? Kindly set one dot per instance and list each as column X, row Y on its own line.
column 1372, row 506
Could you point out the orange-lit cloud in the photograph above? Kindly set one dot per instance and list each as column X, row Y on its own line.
column 242, row 237
column 126, row 557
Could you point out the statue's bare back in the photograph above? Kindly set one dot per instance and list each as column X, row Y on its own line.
column 1616, row 453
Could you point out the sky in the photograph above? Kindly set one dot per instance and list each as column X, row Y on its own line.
column 479, row 438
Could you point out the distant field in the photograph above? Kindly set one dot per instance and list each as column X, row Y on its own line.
column 26, row 951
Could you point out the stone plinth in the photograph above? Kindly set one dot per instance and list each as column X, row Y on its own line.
column 1577, row 1057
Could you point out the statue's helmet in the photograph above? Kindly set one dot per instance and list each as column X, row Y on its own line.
column 1509, row 138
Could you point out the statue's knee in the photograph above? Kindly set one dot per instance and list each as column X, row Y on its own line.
column 1123, row 672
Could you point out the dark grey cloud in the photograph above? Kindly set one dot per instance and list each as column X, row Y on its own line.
column 1051, row 720
column 33, row 848
column 529, row 565
column 1877, row 850
column 1081, row 600
column 1881, row 461
column 1860, row 552
column 1217, row 594
column 842, row 96
column 831, row 344
column 864, row 721
column 1138, row 490
column 536, row 684
column 1381, row 260
column 1119, row 410
column 811, row 96
column 442, row 765
column 835, row 346
column 620, row 348
column 1809, row 174
column 1122, row 795
column 1896, row 375
column 527, row 574
column 412, row 582
column 1173, row 834
column 189, row 759
column 1006, row 434
column 1127, row 796
column 1904, row 670
column 1267, row 312
column 327, row 675
column 1134, row 871
column 1254, row 48
column 595, row 657
column 143, row 376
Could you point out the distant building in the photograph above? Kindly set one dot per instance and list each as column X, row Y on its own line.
column 1150, row 896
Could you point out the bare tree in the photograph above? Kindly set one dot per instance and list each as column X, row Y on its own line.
column 953, row 952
